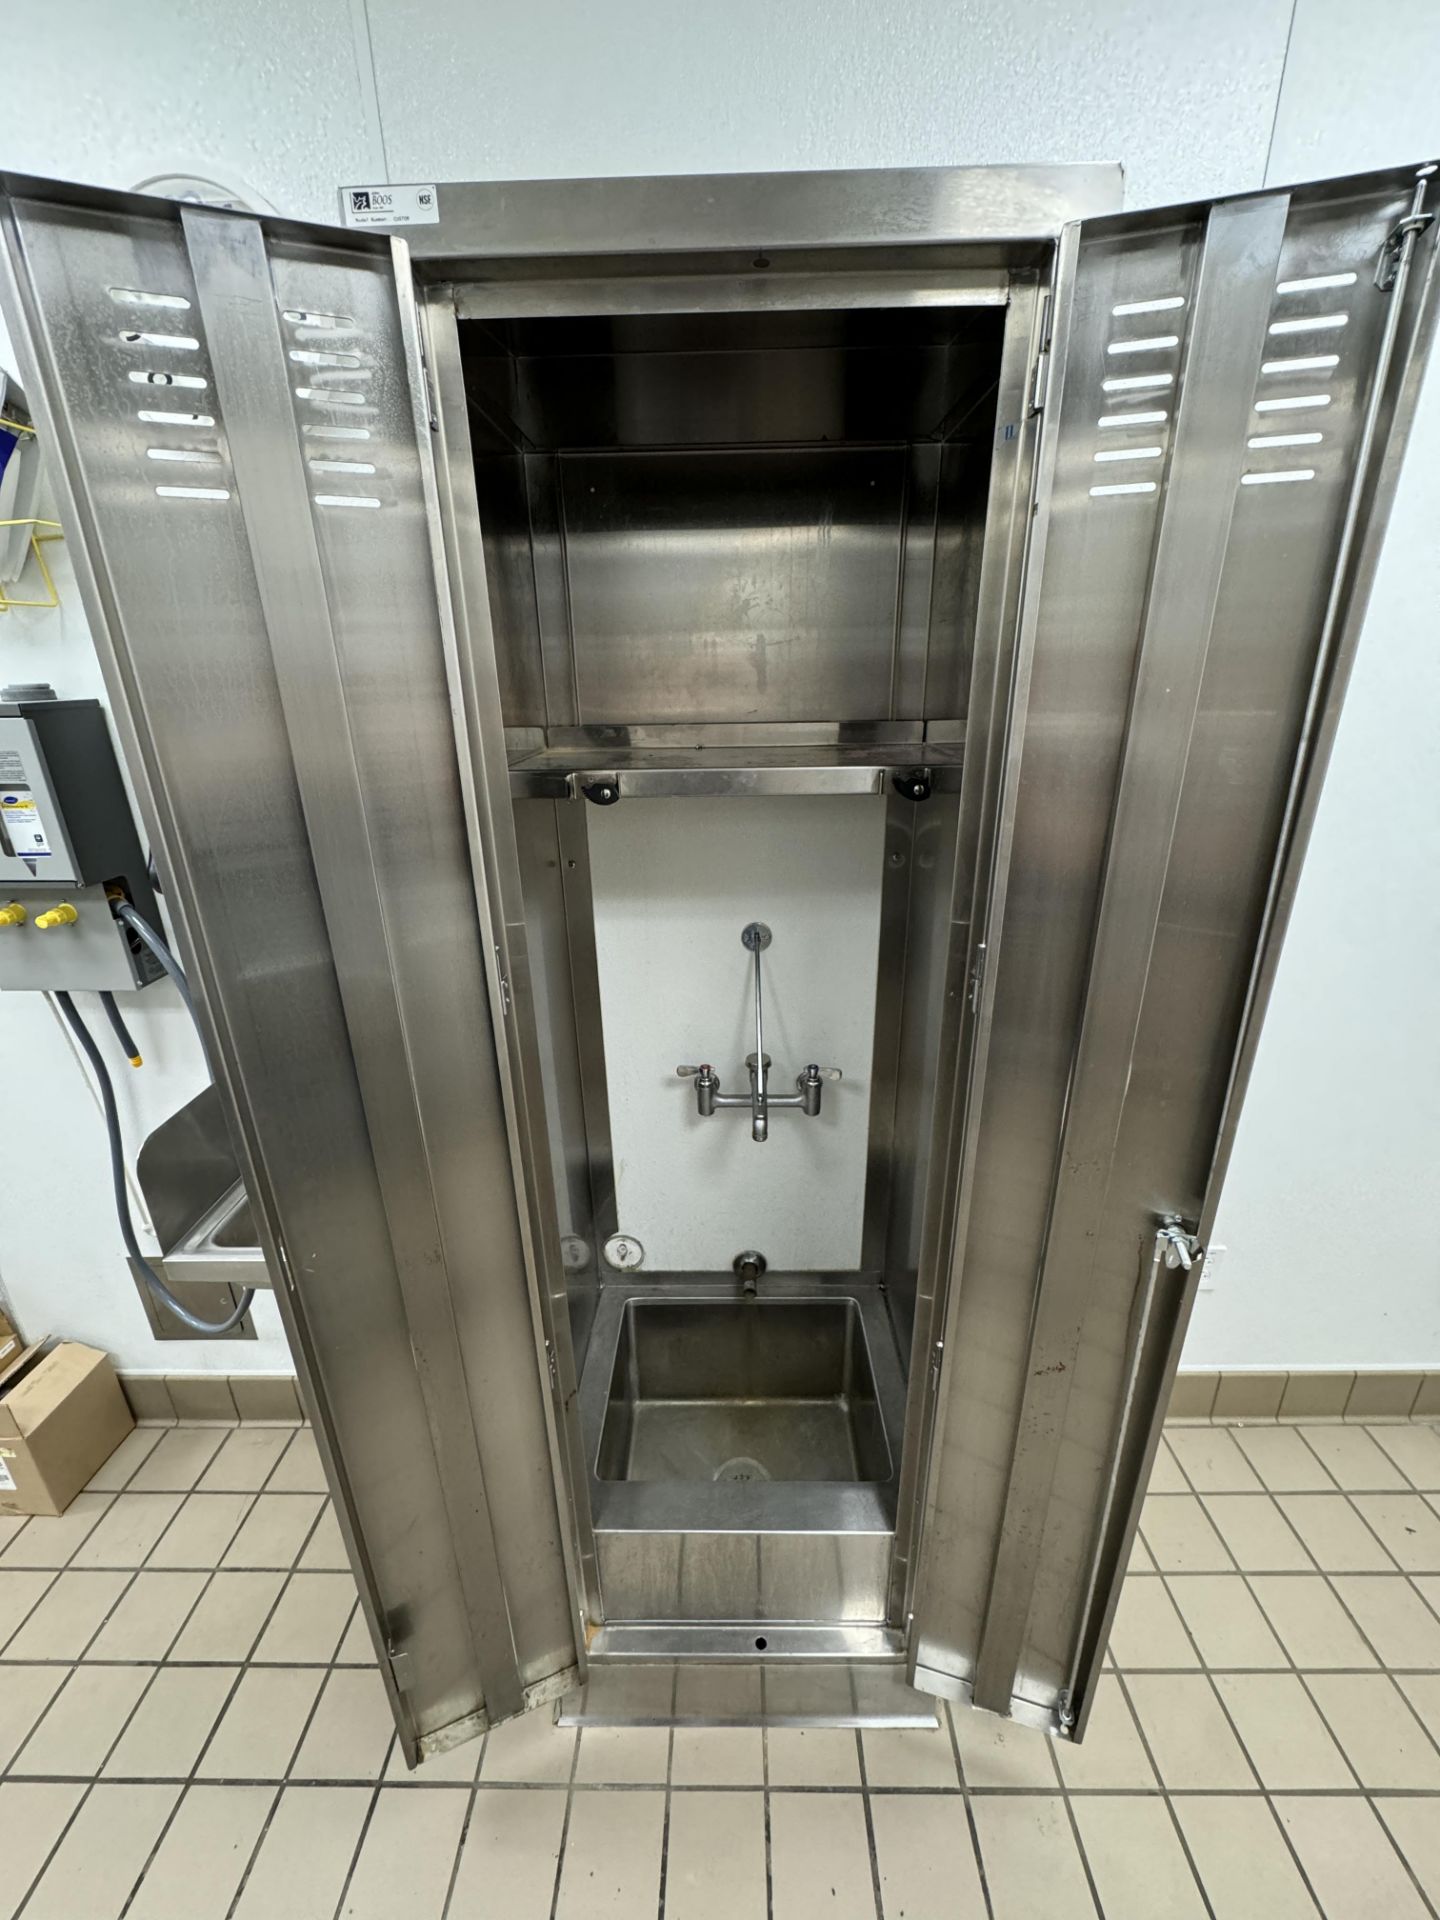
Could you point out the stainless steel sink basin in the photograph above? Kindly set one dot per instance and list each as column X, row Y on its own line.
column 237, row 1228
column 744, row 1453
column 742, row 1390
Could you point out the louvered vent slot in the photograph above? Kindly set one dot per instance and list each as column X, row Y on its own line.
column 334, row 377
column 1142, row 364
column 179, row 448
column 1304, row 355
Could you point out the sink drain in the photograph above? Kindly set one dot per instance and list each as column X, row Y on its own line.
column 742, row 1467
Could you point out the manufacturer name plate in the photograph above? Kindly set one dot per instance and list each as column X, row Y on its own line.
column 412, row 206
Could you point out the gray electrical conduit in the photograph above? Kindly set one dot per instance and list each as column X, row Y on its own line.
column 76, row 1023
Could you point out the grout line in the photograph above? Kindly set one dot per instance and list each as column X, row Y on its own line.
column 364, row 1828
column 869, row 1817
column 949, row 1720
column 565, row 1822
column 472, row 1793
column 765, row 1792
column 256, row 1850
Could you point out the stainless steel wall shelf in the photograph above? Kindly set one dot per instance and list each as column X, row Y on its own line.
column 656, row 773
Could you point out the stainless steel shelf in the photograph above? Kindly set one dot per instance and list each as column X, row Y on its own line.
column 564, row 773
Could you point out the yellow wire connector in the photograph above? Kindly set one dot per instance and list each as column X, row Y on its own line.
column 62, row 916
column 13, row 915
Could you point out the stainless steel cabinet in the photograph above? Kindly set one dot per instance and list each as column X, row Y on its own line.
column 1045, row 535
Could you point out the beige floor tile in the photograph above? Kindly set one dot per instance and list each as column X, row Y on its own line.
column 455, row 1767
column 812, row 1757
column 306, row 1626
column 1283, row 1732
column 51, row 1543
column 66, row 1619
column 12, row 1525
column 20, row 1592
column 1422, row 1690
column 1258, row 1535
column 83, row 1722
column 178, row 1462
column 1225, row 1622
column 612, row 1856
column 1384, row 1742
column 715, row 1865
column 1180, row 1537
column 299, row 1470
column 275, row 1528
column 129, row 1530
column 93, row 1870
column 1212, row 1461
column 634, row 1755
column 201, row 1530
column 125, row 1461
column 1393, row 1618
column 1112, row 1753
column 1352, row 1458
column 1136, row 1859
column 351, row 1731
column 171, row 1724
column 927, row 1863
column 718, row 1757
column 507, row 1865
column 25, row 1693
column 1314, row 1628
column 325, row 1549
column 1408, row 1526
column 301, row 1866
column 147, row 1617
column 1349, row 1859
column 1031, row 1859
column 228, row 1617
column 1415, row 1449
column 407, row 1857
column 909, row 1757
column 33, row 1814
column 1414, row 1824
column 1003, row 1753
column 261, row 1728
column 1281, row 1458
column 246, row 1461
column 356, row 1648
column 1165, row 1475
column 1140, row 1560
column 204, row 1854
column 1337, row 1538
column 820, row 1857
column 1244, row 1864
column 1148, row 1630
column 532, row 1749
column 1188, row 1734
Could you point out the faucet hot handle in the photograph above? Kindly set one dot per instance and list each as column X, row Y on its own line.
column 686, row 1073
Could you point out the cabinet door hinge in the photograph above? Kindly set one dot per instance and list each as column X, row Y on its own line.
column 504, row 980
column 1040, row 372
column 977, row 976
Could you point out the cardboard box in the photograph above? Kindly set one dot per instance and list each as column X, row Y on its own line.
column 62, row 1414
column 10, row 1341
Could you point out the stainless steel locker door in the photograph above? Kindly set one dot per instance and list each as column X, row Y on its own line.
column 241, row 434
column 1225, row 394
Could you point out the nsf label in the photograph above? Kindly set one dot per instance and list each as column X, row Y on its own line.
column 389, row 206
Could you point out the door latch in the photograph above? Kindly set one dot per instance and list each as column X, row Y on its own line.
column 1178, row 1248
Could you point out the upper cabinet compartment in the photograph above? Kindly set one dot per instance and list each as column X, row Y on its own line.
column 734, row 517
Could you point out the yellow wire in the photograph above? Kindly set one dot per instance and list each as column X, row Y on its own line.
column 16, row 426
column 36, row 540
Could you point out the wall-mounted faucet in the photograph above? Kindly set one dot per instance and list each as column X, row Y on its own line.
column 755, row 939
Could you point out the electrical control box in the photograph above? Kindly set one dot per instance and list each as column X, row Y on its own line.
column 69, row 852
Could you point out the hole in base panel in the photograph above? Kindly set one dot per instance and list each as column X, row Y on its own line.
column 761, row 1643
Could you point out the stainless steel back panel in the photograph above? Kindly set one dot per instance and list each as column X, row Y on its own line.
column 1176, row 622
column 268, row 612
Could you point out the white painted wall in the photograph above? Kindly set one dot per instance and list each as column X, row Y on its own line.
column 674, row 882
column 1342, row 1134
